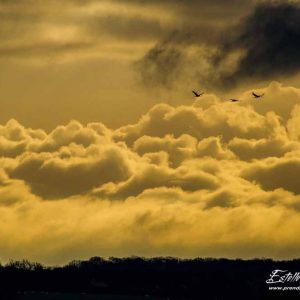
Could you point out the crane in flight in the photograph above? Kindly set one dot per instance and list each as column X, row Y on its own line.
column 197, row 95
column 256, row 96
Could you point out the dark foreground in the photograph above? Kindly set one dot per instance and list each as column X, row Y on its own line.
column 157, row 278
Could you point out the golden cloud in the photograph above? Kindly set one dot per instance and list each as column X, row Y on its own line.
column 209, row 179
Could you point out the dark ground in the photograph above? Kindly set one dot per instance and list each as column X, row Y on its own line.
column 138, row 278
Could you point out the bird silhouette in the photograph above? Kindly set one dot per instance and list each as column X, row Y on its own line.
column 197, row 95
column 257, row 96
column 234, row 100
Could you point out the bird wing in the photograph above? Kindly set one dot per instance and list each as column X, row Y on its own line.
column 195, row 93
column 255, row 95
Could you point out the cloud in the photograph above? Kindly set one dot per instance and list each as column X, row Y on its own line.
column 220, row 119
column 69, row 160
column 262, row 148
column 125, row 26
column 14, row 138
column 54, row 177
column 221, row 199
column 73, row 132
column 33, row 29
column 162, row 222
column 212, row 147
column 213, row 178
column 269, row 41
column 76, row 159
column 262, row 45
column 161, row 65
column 178, row 149
column 14, row 192
column 189, row 10
column 36, row 31
column 151, row 177
column 277, row 98
column 293, row 123
column 275, row 173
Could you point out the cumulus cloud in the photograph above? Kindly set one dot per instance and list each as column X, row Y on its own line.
column 178, row 149
column 213, row 178
column 293, row 123
column 262, row 148
column 153, row 176
column 220, row 119
column 51, row 176
column 168, row 147
column 273, row 174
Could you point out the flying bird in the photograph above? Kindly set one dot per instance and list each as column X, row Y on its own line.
column 257, row 96
column 234, row 100
column 197, row 95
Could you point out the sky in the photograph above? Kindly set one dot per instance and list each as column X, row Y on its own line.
column 105, row 151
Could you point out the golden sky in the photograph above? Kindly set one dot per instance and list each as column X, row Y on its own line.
column 72, row 59
column 105, row 152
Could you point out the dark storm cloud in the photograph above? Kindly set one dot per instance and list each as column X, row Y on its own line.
column 270, row 41
column 266, row 45
column 161, row 64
